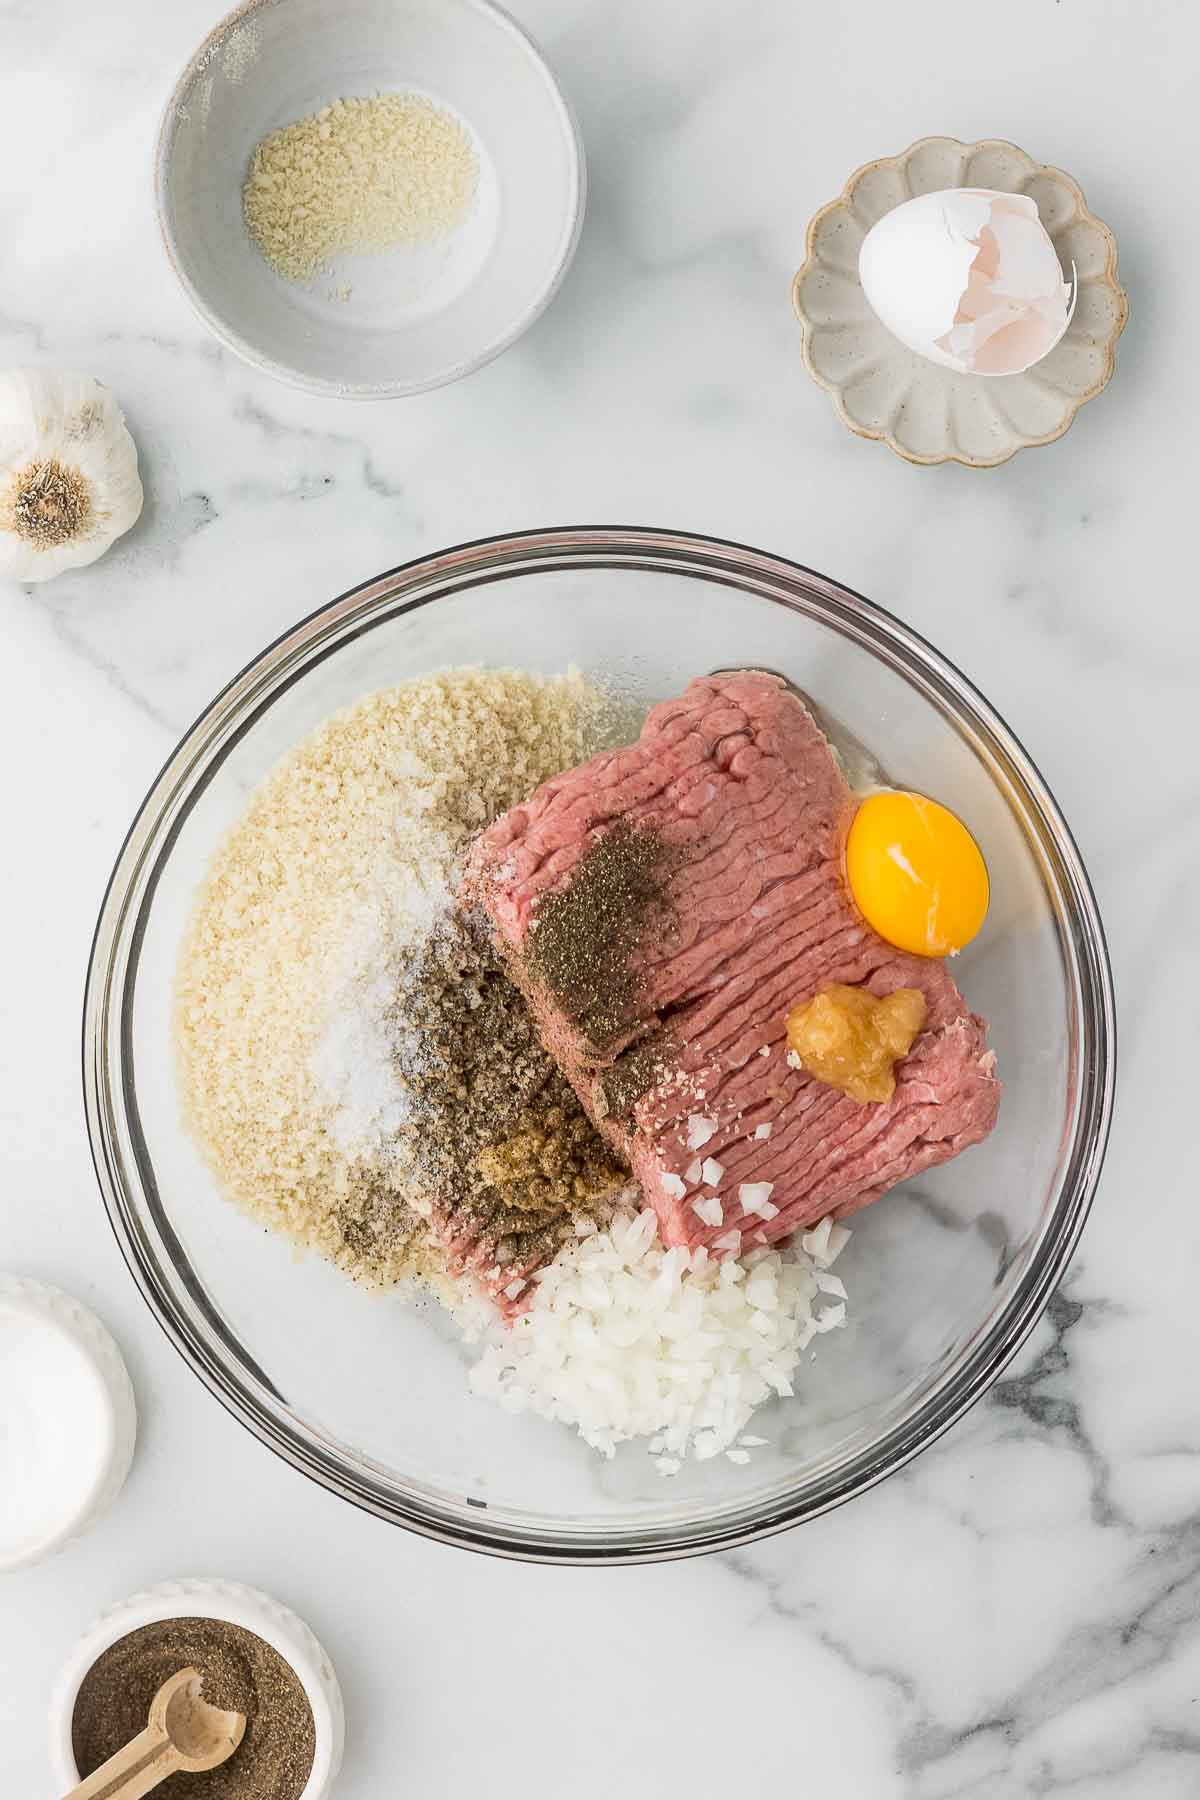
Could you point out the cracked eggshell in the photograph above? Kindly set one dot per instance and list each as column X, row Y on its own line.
column 916, row 266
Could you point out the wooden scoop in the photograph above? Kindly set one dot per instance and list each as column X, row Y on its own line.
column 184, row 1733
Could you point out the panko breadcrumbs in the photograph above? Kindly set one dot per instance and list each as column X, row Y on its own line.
column 364, row 820
column 359, row 175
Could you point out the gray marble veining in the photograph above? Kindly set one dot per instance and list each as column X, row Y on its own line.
column 1018, row 1612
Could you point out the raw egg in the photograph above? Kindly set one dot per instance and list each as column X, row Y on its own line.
column 916, row 873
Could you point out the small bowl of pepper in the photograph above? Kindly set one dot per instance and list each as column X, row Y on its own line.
column 254, row 1657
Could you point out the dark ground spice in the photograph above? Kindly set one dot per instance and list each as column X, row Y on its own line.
column 584, row 939
column 379, row 1228
column 495, row 1133
column 618, row 1088
column 241, row 1674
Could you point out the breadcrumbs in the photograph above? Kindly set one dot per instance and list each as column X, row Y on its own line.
column 360, row 175
column 363, row 822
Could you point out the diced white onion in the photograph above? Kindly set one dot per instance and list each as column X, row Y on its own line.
column 700, row 1129
column 709, row 1209
column 624, row 1339
column 755, row 1197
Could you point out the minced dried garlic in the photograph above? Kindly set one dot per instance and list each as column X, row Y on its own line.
column 852, row 1039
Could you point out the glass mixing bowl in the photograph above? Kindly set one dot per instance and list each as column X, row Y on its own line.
column 367, row 1393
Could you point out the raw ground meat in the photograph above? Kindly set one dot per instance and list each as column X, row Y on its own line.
column 737, row 786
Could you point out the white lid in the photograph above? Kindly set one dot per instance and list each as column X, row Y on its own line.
column 67, row 1420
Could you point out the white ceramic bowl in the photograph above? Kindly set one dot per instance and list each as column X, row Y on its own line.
column 228, row 1600
column 75, row 1418
column 414, row 318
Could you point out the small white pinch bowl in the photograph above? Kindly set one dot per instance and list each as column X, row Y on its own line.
column 402, row 321
column 202, row 1599
column 86, row 1402
column 927, row 414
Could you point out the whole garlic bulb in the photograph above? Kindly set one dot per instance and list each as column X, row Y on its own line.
column 68, row 472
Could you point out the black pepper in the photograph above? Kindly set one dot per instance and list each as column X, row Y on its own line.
column 584, row 939
column 241, row 1673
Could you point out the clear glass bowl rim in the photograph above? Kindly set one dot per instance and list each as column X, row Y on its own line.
column 112, row 968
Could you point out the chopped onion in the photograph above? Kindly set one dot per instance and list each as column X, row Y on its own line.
column 700, row 1129
column 755, row 1197
column 624, row 1339
column 709, row 1209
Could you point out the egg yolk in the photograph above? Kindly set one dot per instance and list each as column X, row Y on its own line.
column 916, row 874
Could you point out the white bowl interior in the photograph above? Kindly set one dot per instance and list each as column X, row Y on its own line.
column 379, row 1385
column 414, row 317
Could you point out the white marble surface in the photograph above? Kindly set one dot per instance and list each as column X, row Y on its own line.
column 1017, row 1613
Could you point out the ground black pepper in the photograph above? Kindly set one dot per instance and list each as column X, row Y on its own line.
column 241, row 1673
column 584, row 939
column 618, row 1088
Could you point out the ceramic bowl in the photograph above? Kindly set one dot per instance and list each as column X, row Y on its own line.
column 927, row 414
column 289, row 1636
column 80, row 1400
column 413, row 318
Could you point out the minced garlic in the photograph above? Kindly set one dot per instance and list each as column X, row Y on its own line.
column 852, row 1039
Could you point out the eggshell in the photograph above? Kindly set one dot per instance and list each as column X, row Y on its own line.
column 916, row 266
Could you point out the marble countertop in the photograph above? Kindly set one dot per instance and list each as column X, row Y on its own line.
column 1016, row 1613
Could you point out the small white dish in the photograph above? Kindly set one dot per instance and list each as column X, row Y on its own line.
column 926, row 414
column 413, row 318
column 68, row 1422
column 238, row 1605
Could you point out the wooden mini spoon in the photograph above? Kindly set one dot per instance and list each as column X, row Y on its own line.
column 184, row 1733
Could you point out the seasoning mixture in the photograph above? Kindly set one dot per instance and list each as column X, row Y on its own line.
column 359, row 175
column 241, row 1673
column 324, row 984
column 494, row 1145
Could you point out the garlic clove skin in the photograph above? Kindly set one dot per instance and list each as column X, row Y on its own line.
column 69, row 482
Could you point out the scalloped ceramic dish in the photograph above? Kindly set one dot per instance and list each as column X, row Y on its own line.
column 928, row 414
